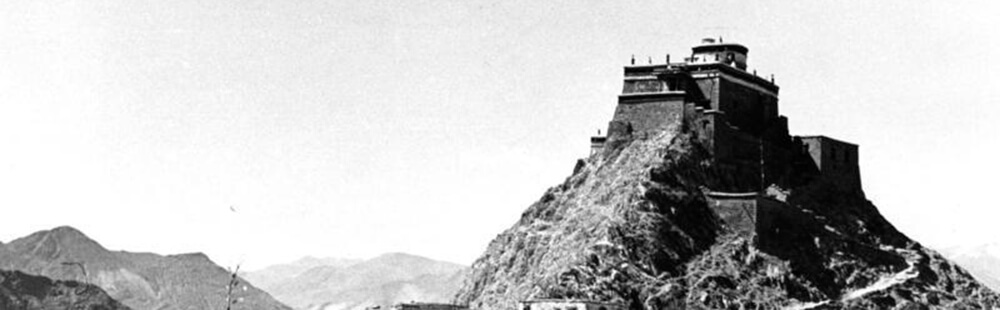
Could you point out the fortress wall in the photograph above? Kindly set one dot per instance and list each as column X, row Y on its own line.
column 753, row 215
column 748, row 109
column 710, row 89
column 701, row 125
column 735, row 145
column 644, row 86
column 740, row 214
column 836, row 160
column 643, row 118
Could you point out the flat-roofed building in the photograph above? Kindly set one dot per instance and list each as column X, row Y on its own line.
column 569, row 304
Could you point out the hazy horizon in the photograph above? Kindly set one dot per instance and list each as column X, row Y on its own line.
column 260, row 132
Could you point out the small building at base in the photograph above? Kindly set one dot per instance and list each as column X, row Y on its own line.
column 569, row 304
column 428, row 306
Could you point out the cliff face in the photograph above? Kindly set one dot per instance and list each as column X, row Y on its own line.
column 632, row 226
column 20, row 291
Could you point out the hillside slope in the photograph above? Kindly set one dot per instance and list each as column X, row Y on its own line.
column 139, row 280
column 20, row 291
column 632, row 226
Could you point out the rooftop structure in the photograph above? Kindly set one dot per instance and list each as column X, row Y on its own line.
column 732, row 112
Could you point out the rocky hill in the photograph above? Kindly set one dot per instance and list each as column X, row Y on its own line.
column 139, row 280
column 632, row 225
column 383, row 280
column 20, row 291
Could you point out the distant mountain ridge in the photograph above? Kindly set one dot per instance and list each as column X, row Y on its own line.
column 982, row 261
column 342, row 284
column 271, row 275
column 138, row 280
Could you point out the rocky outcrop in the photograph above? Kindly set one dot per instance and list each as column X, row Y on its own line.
column 138, row 280
column 632, row 225
column 20, row 291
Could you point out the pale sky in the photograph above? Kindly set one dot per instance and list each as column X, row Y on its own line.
column 350, row 129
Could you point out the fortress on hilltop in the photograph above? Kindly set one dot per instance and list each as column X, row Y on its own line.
column 734, row 115
column 732, row 112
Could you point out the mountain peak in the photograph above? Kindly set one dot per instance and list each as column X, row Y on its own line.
column 67, row 231
column 194, row 256
column 63, row 242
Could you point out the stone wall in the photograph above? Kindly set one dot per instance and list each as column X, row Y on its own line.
column 739, row 211
column 753, row 215
column 837, row 161
column 641, row 116
column 748, row 109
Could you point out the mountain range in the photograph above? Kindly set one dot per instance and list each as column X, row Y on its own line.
column 340, row 284
column 139, row 280
column 983, row 261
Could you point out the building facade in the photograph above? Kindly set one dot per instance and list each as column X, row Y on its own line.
column 732, row 112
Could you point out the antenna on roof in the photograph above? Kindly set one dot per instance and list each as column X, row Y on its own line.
column 633, row 59
column 650, row 59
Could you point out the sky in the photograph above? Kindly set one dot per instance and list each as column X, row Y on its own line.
column 259, row 132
